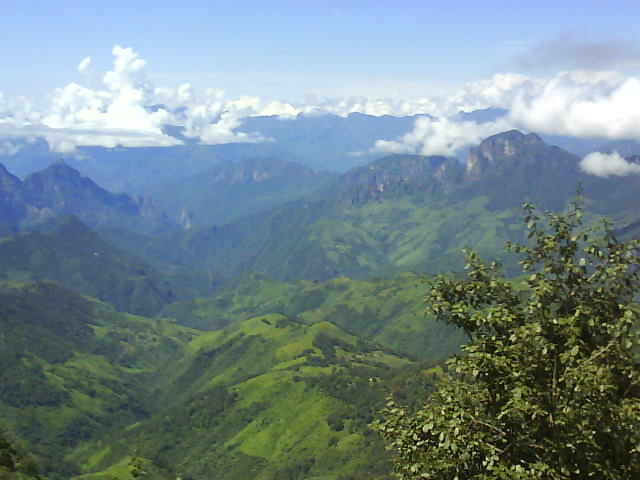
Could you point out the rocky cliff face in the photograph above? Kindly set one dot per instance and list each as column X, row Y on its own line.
column 507, row 167
column 399, row 175
column 501, row 147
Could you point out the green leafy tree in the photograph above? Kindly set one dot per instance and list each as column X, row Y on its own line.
column 548, row 386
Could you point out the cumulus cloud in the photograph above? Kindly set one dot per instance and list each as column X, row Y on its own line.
column 582, row 104
column 577, row 104
column 498, row 91
column 607, row 164
column 440, row 136
column 575, row 50
column 75, row 115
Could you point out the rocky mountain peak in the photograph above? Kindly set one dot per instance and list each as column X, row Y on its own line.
column 500, row 147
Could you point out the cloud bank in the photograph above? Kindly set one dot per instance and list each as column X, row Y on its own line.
column 575, row 104
column 440, row 137
column 127, row 109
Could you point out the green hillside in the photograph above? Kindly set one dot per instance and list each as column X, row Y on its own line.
column 278, row 373
column 321, row 240
column 80, row 259
column 73, row 368
column 15, row 464
column 408, row 213
column 269, row 398
column 389, row 311
column 97, row 394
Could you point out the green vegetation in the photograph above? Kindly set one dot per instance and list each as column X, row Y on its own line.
column 14, row 464
column 271, row 398
column 400, row 213
column 549, row 385
column 80, row 259
column 73, row 368
column 237, row 189
column 387, row 310
column 85, row 388
column 279, row 375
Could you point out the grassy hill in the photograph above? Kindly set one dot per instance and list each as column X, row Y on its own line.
column 389, row 311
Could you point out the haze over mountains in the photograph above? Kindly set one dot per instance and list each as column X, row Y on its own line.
column 281, row 302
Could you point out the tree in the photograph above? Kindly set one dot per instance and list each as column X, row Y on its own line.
column 548, row 386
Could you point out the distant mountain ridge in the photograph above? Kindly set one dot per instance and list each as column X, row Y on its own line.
column 407, row 212
column 235, row 189
column 61, row 190
column 81, row 260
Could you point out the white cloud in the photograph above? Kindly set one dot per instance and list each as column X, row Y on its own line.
column 582, row 104
column 126, row 109
column 76, row 115
column 577, row 104
column 84, row 65
column 607, row 164
column 128, row 71
column 440, row 136
column 498, row 91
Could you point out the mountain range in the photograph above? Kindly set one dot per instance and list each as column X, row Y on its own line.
column 251, row 315
column 405, row 213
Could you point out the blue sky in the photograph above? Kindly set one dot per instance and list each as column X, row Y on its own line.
column 85, row 72
column 284, row 49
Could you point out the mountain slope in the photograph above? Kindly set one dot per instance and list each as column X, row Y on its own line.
column 73, row 368
column 81, row 260
column 409, row 213
column 268, row 398
column 389, row 311
column 94, row 393
column 236, row 189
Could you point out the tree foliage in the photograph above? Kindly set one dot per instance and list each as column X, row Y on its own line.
column 548, row 386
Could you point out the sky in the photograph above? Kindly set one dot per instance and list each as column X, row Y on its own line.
column 82, row 73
